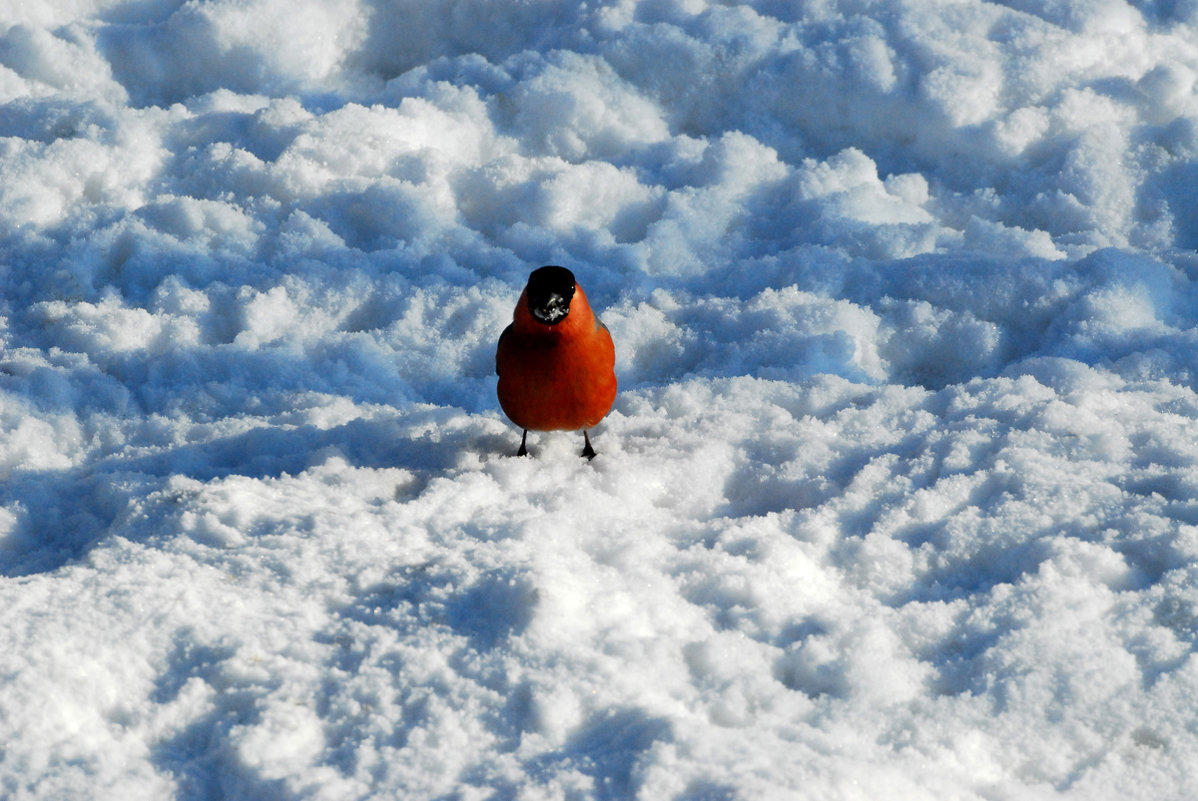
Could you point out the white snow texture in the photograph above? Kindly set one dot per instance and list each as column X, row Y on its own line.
column 898, row 500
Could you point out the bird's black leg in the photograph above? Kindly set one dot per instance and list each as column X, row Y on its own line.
column 523, row 448
column 587, row 450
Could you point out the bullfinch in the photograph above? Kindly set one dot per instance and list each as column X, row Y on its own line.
column 556, row 361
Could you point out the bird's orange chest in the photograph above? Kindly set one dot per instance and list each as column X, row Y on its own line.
column 557, row 379
column 551, row 356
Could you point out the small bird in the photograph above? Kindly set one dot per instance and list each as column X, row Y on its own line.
column 556, row 361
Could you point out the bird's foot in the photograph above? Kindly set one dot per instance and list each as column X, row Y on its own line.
column 587, row 450
column 523, row 444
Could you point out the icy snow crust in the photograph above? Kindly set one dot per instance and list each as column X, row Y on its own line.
column 898, row 499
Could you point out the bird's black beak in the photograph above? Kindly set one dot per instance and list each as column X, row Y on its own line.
column 550, row 309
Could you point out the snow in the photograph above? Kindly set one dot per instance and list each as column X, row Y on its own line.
column 899, row 497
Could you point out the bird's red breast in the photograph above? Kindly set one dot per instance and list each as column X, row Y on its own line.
column 558, row 376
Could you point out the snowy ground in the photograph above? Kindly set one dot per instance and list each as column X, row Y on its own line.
column 899, row 499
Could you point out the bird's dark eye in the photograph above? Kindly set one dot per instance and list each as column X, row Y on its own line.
column 550, row 290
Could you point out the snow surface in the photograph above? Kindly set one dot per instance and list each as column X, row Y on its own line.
column 899, row 499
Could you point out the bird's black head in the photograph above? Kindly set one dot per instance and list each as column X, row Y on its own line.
column 550, row 290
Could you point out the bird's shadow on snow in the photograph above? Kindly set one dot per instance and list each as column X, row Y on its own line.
column 52, row 518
